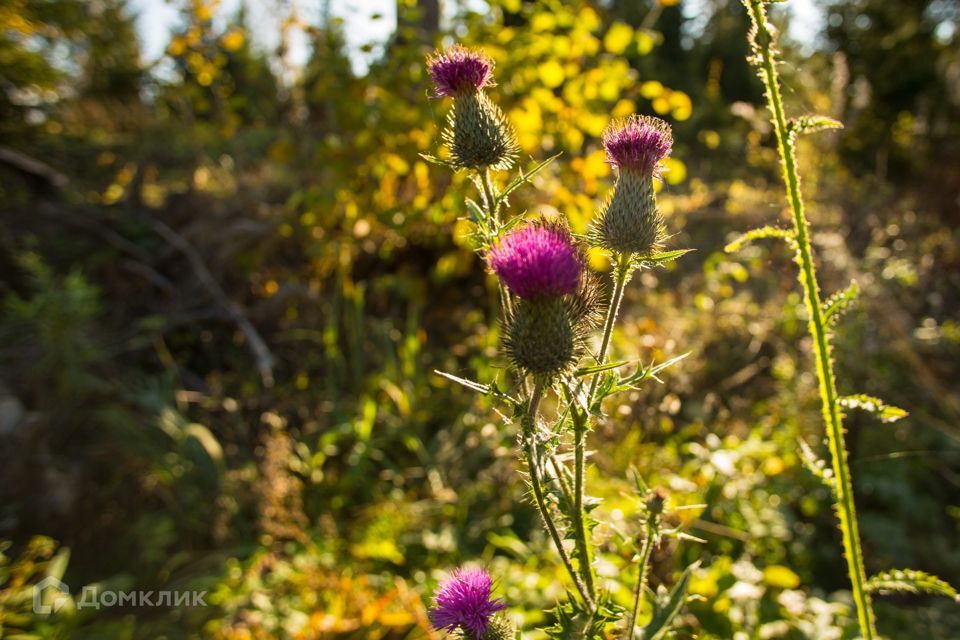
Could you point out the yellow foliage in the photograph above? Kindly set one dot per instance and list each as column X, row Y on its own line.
column 674, row 170
column 651, row 89
column 618, row 38
column 233, row 40
column 645, row 43
column 551, row 73
column 780, row 577
column 681, row 104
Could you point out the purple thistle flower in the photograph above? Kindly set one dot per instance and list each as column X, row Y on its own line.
column 459, row 69
column 637, row 143
column 463, row 599
column 539, row 260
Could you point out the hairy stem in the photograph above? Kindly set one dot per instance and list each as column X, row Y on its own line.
column 561, row 479
column 493, row 207
column 653, row 525
column 762, row 37
column 583, row 548
column 621, row 272
column 529, row 438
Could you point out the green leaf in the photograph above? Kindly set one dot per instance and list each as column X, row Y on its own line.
column 572, row 621
column 440, row 161
column 759, row 234
column 663, row 614
column 479, row 217
column 642, row 488
column 815, row 464
column 585, row 371
column 812, row 124
column 58, row 564
column 487, row 390
column 911, row 581
column 876, row 406
column 648, row 373
column 661, row 258
column 836, row 305
column 517, row 182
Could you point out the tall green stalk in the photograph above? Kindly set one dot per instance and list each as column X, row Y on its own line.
column 620, row 275
column 761, row 37
column 530, row 446
column 649, row 539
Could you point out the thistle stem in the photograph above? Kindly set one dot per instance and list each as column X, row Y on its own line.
column 493, row 207
column 580, row 430
column 653, row 525
column 620, row 276
column 561, row 480
column 583, row 548
column 534, row 469
column 846, row 511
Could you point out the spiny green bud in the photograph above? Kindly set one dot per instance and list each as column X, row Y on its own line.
column 478, row 134
column 629, row 220
column 500, row 628
column 656, row 500
column 540, row 336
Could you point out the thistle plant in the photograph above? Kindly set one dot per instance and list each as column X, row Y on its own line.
column 552, row 307
column 464, row 605
column 822, row 315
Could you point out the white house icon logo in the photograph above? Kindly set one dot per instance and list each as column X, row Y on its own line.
column 47, row 605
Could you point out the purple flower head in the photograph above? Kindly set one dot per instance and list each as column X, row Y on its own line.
column 538, row 260
column 637, row 143
column 459, row 69
column 463, row 599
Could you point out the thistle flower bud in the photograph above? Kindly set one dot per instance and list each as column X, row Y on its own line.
column 463, row 603
column 656, row 501
column 538, row 260
column 557, row 303
column 478, row 134
column 637, row 143
column 629, row 221
column 541, row 336
column 459, row 70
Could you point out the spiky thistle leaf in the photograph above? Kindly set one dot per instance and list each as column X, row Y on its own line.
column 759, row 234
column 836, row 305
column 664, row 611
column 523, row 178
column 812, row 124
column 660, row 258
column 574, row 622
column 816, row 465
column 911, row 581
column 885, row 412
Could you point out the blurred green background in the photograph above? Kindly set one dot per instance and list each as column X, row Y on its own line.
column 227, row 277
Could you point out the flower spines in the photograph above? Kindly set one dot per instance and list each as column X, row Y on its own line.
column 500, row 628
column 464, row 602
column 637, row 143
column 548, row 336
column 478, row 134
column 629, row 221
column 538, row 260
column 556, row 300
column 458, row 69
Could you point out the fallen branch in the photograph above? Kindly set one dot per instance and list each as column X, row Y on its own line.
column 34, row 169
column 264, row 358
